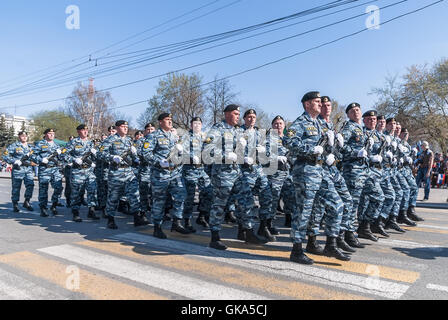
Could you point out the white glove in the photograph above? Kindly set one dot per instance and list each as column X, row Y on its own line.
column 394, row 144
column 70, row 164
column 164, row 163
column 282, row 159
column 93, row 151
column 394, row 161
column 261, row 149
column 18, row 163
column 388, row 140
column 371, row 142
column 59, row 151
column 249, row 160
column 401, row 160
column 409, row 160
column 330, row 136
column 405, row 150
column 196, row 160
column 389, row 155
column 93, row 165
column 340, row 139
column 243, row 141
column 45, row 161
column 330, row 159
column 232, row 156
column 376, row 159
column 179, row 147
column 318, row 150
column 362, row 153
column 133, row 150
column 401, row 148
column 117, row 159
column 415, row 151
column 78, row 161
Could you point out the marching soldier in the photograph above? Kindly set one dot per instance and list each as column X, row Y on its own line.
column 18, row 154
column 302, row 140
column 119, row 152
column 194, row 175
column 81, row 153
column 48, row 155
column 219, row 148
column 160, row 149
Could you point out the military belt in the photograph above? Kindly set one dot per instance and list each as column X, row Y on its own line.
column 170, row 168
column 310, row 162
column 119, row 166
column 83, row 166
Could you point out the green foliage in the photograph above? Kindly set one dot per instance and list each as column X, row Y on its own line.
column 63, row 124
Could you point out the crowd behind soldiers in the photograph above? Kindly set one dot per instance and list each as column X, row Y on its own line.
column 354, row 183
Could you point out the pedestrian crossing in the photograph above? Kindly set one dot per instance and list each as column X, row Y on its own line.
column 134, row 265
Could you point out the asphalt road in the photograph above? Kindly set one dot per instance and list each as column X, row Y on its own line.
column 55, row 258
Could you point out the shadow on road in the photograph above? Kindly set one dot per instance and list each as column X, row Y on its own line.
column 428, row 253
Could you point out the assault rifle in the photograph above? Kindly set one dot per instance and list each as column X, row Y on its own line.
column 25, row 160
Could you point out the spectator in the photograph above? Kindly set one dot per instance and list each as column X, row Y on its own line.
column 426, row 161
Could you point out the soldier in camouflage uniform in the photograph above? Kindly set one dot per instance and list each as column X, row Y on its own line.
column 81, row 153
column 253, row 175
column 195, row 176
column 18, row 154
column 406, row 171
column 162, row 150
column 372, row 196
column 303, row 140
column 354, row 167
column 221, row 148
column 281, row 179
column 328, row 203
column 119, row 152
column 50, row 157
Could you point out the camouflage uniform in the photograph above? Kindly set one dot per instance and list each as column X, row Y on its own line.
column 14, row 152
column 160, row 145
column 144, row 178
column 82, row 176
column 48, row 173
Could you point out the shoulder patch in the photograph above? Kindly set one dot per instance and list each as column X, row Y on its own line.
column 146, row 145
column 6, row 153
column 291, row 132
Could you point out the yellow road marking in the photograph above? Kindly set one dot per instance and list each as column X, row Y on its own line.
column 227, row 274
column 93, row 285
column 430, row 230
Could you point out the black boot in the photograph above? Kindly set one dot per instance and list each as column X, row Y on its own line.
column 189, row 226
column 331, row 250
column 76, row 217
column 403, row 219
column 92, row 215
column 230, row 217
column 166, row 214
column 201, row 220
column 140, row 219
column 241, row 233
column 158, row 232
column 103, row 213
column 413, row 216
column 272, row 229
column 378, row 227
column 298, row 256
column 43, row 212
column 111, row 223
column 263, row 231
column 216, row 243
column 176, row 226
column 279, row 209
column 392, row 224
column 365, row 232
column 68, row 203
column 313, row 247
column 27, row 205
column 352, row 240
column 15, row 206
column 53, row 210
column 251, row 237
column 84, row 202
column 288, row 220
column 123, row 207
column 340, row 241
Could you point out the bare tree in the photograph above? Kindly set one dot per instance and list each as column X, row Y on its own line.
column 219, row 96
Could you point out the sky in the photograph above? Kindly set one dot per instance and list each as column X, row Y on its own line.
column 36, row 43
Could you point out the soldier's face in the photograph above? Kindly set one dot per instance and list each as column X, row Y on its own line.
column 166, row 124
column 355, row 114
column 391, row 126
column 196, row 126
column 398, row 129
column 404, row 136
column 250, row 120
column 84, row 133
column 139, row 136
column 370, row 122
column 279, row 126
column 112, row 132
column 49, row 136
column 232, row 118
column 326, row 110
column 123, row 130
column 381, row 125
column 314, row 106
column 149, row 130
column 23, row 138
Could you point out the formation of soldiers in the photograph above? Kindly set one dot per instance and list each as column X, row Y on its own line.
column 354, row 183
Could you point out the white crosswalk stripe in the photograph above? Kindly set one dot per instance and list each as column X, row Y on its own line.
column 182, row 285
